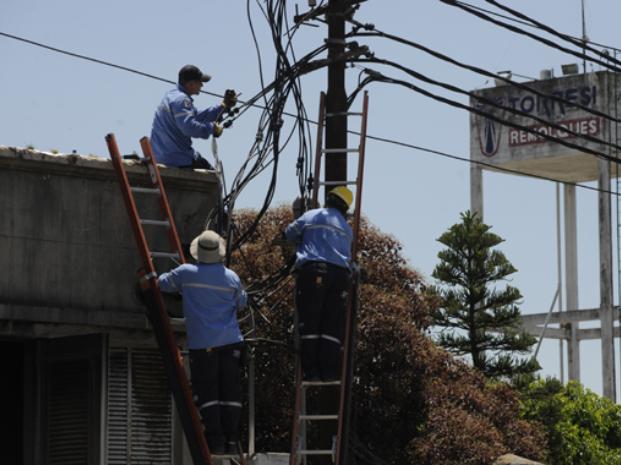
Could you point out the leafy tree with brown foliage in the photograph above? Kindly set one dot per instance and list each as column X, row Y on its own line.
column 412, row 402
column 475, row 317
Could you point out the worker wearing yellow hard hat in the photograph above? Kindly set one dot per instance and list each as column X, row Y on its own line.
column 323, row 270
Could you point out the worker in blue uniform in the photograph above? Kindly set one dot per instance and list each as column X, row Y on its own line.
column 212, row 295
column 323, row 270
column 177, row 121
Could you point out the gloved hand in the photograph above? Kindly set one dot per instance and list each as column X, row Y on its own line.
column 230, row 99
column 217, row 130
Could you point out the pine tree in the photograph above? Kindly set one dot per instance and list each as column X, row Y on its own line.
column 476, row 317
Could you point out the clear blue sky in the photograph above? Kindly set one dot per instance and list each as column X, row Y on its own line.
column 53, row 101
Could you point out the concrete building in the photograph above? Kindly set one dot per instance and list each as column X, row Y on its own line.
column 83, row 380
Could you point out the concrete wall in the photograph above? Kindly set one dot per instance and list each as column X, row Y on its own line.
column 67, row 252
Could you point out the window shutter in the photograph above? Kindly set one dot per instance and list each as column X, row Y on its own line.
column 67, row 414
column 139, row 429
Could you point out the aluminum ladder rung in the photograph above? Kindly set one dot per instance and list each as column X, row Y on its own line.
column 227, row 456
column 318, row 417
column 145, row 190
column 320, row 383
column 164, row 255
column 155, row 222
column 337, row 183
column 344, row 113
column 328, row 151
column 316, row 452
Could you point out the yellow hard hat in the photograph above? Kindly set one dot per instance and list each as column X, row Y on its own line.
column 344, row 194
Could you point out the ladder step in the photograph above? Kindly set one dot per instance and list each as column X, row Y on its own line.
column 318, row 417
column 344, row 113
column 165, row 255
column 320, row 383
column 146, row 190
column 339, row 150
column 226, row 456
column 156, row 222
column 316, row 452
column 337, row 183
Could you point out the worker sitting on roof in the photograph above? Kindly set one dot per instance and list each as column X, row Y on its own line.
column 323, row 268
column 176, row 121
column 212, row 295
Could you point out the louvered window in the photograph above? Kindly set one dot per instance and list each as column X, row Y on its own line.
column 139, row 419
column 67, row 422
column 70, row 381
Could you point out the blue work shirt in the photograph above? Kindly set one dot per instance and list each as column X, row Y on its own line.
column 176, row 121
column 212, row 294
column 322, row 235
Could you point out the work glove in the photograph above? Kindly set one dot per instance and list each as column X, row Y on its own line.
column 217, row 130
column 230, row 99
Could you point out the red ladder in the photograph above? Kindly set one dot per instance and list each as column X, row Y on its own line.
column 299, row 451
column 158, row 316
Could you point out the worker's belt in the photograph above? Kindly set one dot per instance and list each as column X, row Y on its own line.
column 320, row 267
column 235, row 345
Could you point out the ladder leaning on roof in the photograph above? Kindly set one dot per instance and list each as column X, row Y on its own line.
column 299, row 448
column 158, row 316
column 156, row 308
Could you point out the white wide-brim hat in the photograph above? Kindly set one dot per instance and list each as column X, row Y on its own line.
column 209, row 247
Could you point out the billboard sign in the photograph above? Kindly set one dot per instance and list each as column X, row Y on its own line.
column 523, row 144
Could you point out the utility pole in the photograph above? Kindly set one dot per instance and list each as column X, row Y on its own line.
column 336, row 96
column 335, row 163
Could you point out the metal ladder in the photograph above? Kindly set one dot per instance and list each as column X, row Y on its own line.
column 156, row 308
column 338, row 451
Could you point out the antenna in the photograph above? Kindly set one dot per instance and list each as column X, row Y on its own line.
column 584, row 38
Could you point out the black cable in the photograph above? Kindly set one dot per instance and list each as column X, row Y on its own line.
column 526, row 23
column 491, row 103
column 550, row 30
column 531, row 35
column 490, row 166
column 353, row 132
column 475, row 69
column 377, row 76
column 98, row 61
column 257, row 49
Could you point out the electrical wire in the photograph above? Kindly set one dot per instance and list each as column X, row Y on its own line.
column 97, row 60
column 526, row 23
column 380, row 139
column 495, row 104
column 574, row 41
column 378, row 33
column 377, row 76
column 540, row 39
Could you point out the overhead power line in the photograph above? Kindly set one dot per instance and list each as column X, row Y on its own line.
column 540, row 39
column 490, row 166
column 385, row 140
column 492, row 103
column 377, row 76
column 572, row 40
column 530, row 24
column 96, row 60
column 375, row 32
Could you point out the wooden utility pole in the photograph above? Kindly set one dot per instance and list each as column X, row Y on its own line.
column 335, row 163
column 336, row 97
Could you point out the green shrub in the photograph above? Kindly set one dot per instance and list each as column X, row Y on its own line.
column 582, row 428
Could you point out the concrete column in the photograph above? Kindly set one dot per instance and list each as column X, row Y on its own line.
column 571, row 279
column 476, row 190
column 605, row 276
